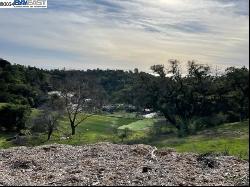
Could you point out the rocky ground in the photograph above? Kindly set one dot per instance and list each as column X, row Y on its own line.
column 109, row 164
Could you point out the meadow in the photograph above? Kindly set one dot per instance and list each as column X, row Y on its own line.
column 227, row 139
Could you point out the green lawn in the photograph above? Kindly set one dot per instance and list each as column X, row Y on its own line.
column 140, row 125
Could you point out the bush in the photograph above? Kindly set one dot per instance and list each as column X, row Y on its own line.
column 124, row 133
column 38, row 125
column 13, row 117
column 156, row 129
column 216, row 119
column 233, row 116
column 209, row 121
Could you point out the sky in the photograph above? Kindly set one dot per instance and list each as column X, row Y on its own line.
column 126, row 34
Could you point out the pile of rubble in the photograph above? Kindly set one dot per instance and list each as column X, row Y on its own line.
column 111, row 164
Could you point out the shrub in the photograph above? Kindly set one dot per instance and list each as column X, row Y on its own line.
column 13, row 117
column 156, row 129
column 200, row 123
column 124, row 133
column 38, row 125
column 233, row 116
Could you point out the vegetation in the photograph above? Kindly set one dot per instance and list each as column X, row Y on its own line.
column 199, row 112
column 140, row 125
column 13, row 117
column 198, row 95
column 228, row 139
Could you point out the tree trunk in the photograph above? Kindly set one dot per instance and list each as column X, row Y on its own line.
column 172, row 121
column 49, row 135
column 183, row 130
column 73, row 128
column 241, row 116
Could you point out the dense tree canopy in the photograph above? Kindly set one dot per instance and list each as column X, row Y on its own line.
column 200, row 94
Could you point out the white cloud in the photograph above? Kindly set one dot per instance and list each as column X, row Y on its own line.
column 129, row 33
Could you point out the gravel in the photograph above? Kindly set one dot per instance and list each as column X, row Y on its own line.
column 115, row 165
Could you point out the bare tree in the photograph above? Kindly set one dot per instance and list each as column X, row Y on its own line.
column 51, row 120
column 48, row 118
column 46, row 121
column 80, row 101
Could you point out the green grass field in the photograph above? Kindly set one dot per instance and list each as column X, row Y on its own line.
column 140, row 125
column 97, row 128
column 230, row 139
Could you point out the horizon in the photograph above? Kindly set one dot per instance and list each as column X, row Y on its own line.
column 128, row 34
column 214, row 70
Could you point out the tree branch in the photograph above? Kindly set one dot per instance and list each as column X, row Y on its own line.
column 84, row 118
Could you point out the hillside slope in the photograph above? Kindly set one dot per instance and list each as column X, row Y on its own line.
column 110, row 164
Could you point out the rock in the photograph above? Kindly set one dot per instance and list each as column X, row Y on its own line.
column 146, row 169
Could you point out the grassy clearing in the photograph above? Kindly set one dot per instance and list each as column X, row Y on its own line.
column 96, row 128
column 230, row 139
column 140, row 125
